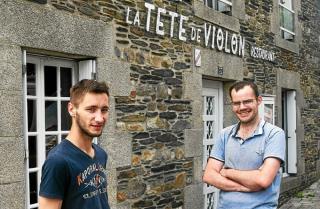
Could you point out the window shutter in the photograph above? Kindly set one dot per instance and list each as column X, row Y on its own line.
column 87, row 69
column 291, row 132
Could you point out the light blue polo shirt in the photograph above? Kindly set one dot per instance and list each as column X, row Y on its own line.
column 266, row 141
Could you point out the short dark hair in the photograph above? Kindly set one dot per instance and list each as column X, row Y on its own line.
column 80, row 89
column 241, row 84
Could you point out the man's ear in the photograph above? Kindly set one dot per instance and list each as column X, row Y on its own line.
column 259, row 99
column 71, row 109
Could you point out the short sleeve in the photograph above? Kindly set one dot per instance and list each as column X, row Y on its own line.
column 218, row 151
column 54, row 179
column 276, row 145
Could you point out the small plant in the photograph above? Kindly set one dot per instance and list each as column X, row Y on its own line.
column 299, row 195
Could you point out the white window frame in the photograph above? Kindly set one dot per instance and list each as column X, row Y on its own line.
column 86, row 69
column 293, row 13
column 214, row 4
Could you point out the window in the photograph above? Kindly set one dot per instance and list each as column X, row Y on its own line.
column 266, row 108
column 289, row 118
column 46, row 82
column 287, row 16
column 224, row 6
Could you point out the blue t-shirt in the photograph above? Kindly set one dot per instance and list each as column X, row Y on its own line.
column 74, row 177
column 267, row 141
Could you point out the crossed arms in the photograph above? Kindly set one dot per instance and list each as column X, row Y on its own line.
column 241, row 180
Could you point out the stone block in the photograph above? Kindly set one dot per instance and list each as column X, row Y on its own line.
column 12, row 196
column 112, row 186
column 193, row 142
column 193, row 196
column 11, row 114
column 117, row 77
column 11, row 159
column 42, row 27
column 232, row 65
column 119, row 148
column 288, row 79
column 198, row 169
column 10, row 66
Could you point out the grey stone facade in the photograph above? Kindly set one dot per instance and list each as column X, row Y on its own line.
column 154, row 134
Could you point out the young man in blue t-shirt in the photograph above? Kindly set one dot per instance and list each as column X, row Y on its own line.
column 245, row 161
column 74, row 173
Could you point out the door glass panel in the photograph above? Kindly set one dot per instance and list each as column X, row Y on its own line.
column 31, row 79
column 65, row 117
column 33, row 187
column 209, row 129
column 50, row 81
column 32, row 115
column 210, row 201
column 51, row 141
column 51, row 116
column 65, row 81
column 32, row 146
column 210, row 105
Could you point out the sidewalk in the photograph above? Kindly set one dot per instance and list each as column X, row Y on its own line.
column 307, row 199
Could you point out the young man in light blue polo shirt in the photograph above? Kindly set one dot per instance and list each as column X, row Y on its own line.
column 245, row 161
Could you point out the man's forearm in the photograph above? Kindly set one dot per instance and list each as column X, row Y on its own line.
column 251, row 179
column 257, row 179
column 223, row 183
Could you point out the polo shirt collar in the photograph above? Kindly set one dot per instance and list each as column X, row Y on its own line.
column 259, row 130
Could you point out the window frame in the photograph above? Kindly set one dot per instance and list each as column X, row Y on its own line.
column 283, row 29
column 215, row 5
column 40, row 99
column 292, row 46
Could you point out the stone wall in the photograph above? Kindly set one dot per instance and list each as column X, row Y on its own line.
column 156, row 113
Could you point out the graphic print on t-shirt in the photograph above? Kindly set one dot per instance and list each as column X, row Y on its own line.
column 92, row 180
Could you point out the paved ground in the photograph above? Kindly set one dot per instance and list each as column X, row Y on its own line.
column 307, row 199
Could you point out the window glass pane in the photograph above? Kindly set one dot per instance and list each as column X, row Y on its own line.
column 65, row 81
column 33, row 187
column 286, row 19
column 286, row 3
column 65, row 117
column 268, row 113
column 210, row 3
column 31, row 79
column 209, row 129
column 224, row 8
column 51, row 116
column 287, row 36
column 50, row 81
column 32, row 115
column 32, row 146
column 210, row 105
column 51, row 141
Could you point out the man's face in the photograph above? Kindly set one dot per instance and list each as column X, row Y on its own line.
column 92, row 114
column 245, row 104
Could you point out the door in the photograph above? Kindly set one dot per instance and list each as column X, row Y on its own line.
column 212, row 124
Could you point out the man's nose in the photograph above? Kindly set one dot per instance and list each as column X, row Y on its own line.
column 100, row 117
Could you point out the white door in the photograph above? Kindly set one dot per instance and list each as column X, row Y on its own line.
column 212, row 124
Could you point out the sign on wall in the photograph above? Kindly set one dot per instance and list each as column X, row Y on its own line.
column 220, row 39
